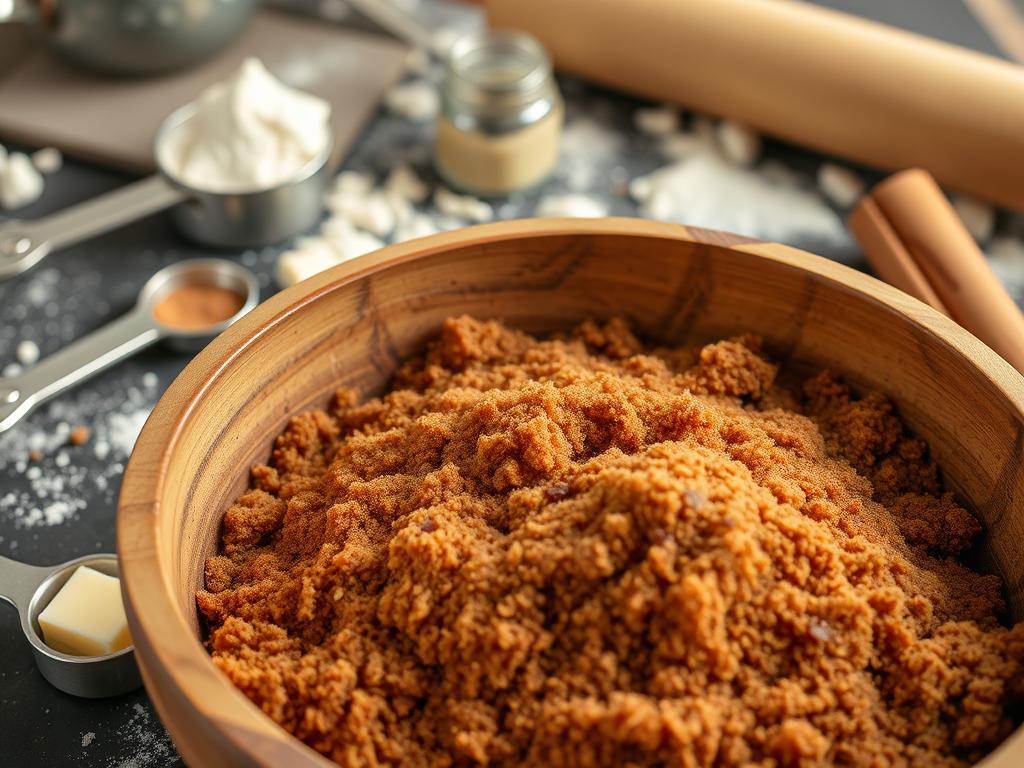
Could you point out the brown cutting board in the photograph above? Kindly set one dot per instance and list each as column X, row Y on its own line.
column 112, row 121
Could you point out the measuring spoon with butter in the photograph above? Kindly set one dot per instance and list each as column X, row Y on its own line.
column 185, row 304
column 33, row 589
column 236, row 219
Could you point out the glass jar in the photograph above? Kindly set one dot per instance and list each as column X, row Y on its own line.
column 501, row 114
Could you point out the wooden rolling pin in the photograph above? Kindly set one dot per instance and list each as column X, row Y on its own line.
column 913, row 238
column 817, row 77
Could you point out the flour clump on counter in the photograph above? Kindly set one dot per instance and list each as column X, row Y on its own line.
column 21, row 183
column 591, row 551
column 573, row 205
column 703, row 189
column 247, row 133
column 840, row 185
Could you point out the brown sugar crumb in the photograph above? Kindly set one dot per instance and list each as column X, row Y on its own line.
column 587, row 551
column 35, row 455
column 79, row 435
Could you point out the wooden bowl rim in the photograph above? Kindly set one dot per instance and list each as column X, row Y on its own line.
column 151, row 607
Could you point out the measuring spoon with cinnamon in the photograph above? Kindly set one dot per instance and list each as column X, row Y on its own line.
column 185, row 304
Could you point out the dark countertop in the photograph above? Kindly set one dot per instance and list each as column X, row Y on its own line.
column 80, row 288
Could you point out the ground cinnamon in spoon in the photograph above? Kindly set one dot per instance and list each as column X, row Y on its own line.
column 193, row 306
column 588, row 551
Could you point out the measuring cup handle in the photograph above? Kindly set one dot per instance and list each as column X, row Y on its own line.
column 18, row 581
column 87, row 356
column 24, row 243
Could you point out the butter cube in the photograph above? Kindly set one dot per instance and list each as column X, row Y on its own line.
column 86, row 617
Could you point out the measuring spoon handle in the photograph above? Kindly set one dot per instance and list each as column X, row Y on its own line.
column 85, row 357
column 18, row 581
column 24, row 243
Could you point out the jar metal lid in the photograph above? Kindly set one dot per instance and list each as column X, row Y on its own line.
column 497, row 81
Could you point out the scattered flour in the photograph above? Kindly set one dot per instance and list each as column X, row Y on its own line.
column 47, row 160
column 779, row 173
column 371, row 211
column 88, row 738
column 589, row 150
column 978, row 216
column 656, row 121
column 706, row 191
column 42, row 287
column 338, row 242
column 840, row 185
column 404, row 184
column 740, row 144
column 681, row 144
column 443, row 39
column 416, row 100
column 572, row 205
column 462, row 206
column 27, row 353
column 21, row 183
column 352, row 183
column 56, row 485
column 142, row 742
column 417, row 225
column 362, row 215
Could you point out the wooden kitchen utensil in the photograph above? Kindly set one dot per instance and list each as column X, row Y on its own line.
column 914, row 239
column 822, row 79
column 351, row 325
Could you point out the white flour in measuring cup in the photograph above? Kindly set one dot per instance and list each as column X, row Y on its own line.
column 248, row 132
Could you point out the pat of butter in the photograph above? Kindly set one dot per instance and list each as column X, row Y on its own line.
column 86, row 617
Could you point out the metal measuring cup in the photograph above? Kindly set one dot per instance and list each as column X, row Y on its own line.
column 224, row 219
column 136, row 330
column 30, row 588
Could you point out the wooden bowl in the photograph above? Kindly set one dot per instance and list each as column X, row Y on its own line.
column 352, row 324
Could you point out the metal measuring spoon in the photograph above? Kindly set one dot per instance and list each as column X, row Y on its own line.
column 224, row 219
column 127, row 335
column 30, row 588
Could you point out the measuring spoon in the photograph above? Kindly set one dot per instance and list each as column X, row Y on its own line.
column 30, row 588
column 128, row 334
column 224, row 219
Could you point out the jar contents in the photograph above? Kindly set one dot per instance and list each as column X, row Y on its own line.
column 86, row 617
column 249, row 132
column 194, row 306
column 501, row 115
column 590, row 551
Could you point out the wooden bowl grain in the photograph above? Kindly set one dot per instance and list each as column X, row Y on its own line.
column 351, row 326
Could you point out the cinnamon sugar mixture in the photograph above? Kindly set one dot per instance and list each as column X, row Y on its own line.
column 587, row 551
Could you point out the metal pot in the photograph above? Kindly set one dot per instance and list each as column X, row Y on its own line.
column 134, row 37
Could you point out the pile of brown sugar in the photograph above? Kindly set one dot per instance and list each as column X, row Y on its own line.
column 587, row 551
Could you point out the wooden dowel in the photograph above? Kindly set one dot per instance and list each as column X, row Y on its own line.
column 907, row 215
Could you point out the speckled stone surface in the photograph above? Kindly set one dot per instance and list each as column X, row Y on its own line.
column 63, row 505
